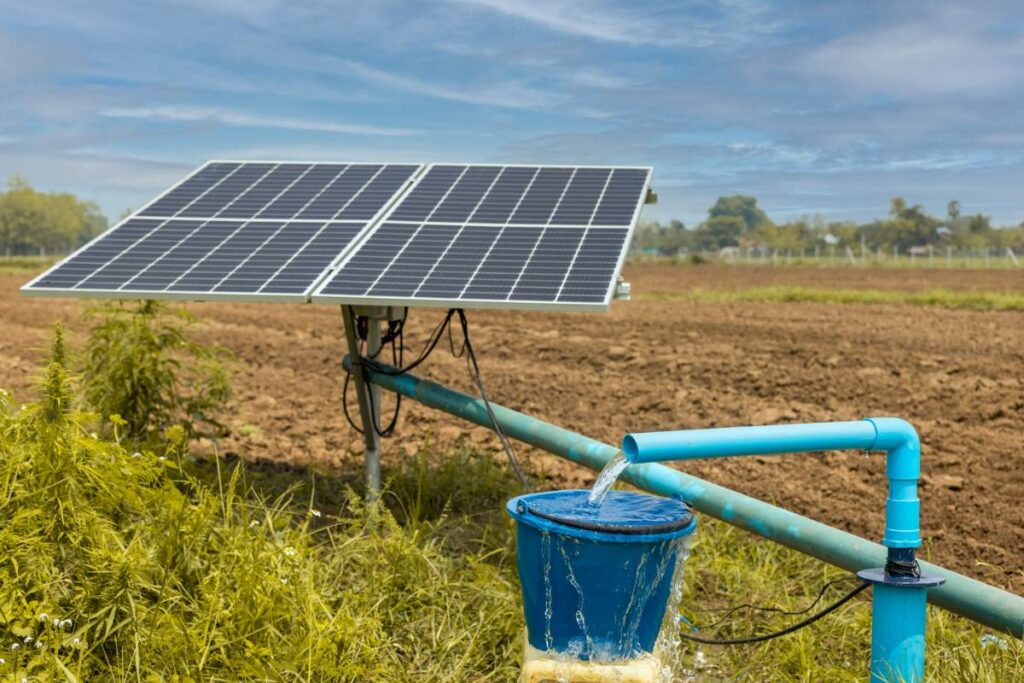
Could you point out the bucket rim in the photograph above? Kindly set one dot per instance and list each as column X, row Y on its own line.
column 523, row 514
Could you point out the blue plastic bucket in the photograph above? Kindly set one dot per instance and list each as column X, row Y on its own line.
column 595, row 585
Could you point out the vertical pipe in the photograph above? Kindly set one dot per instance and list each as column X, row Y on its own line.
column 370, row 437
column 897, row 634
column 373, row 454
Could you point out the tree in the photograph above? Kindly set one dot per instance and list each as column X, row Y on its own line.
column 897, row 205
column 953, row 210
column 740, row 206
column 719, row 231
column 32, row 221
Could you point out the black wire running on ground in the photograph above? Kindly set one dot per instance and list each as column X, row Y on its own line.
column 789, row 629
column 729, row 611
column 371, row 363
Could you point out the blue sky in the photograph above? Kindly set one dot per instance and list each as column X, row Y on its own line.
column 812, row 107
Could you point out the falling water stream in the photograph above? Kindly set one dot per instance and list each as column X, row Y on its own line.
column 606, row 479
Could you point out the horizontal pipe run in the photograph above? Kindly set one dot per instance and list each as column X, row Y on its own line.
column 987, row 605
column 729, row 441
column 890, row 434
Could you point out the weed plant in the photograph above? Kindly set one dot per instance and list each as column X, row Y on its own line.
column 121, row 565
column 141, row 365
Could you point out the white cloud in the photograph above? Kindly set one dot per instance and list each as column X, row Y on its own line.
column 511, row 94
column 953, row 51
column 584, row 19
column 188, row 114
column 736, row 21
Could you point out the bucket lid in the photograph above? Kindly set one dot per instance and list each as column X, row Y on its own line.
column 621, row 512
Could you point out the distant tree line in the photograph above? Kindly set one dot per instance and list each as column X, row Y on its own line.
column 738, row 221
column 33, row 222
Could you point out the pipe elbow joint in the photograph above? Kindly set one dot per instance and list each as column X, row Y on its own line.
column 894, row 432
column 900, row 441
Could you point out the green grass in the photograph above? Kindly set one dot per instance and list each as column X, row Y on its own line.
column 17, row 265
column 840, row 260
column 131, row 566
column 731, row 567
column 942, row 298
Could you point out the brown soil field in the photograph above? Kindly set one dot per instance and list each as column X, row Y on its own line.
column 649, row 364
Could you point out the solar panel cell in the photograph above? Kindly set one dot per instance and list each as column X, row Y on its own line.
column 262, row 192
column 504, row 196
column 542, row 197
column 375, row 194
column 296, row 197
column 466, row 194
column 405, row 274
column 619, row 202
column 543, row 275
column 189, row 190
column 427, row 193
column 222, row 193
column 337, row 194
column 454, row 270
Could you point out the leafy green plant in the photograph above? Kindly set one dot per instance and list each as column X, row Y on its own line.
column 141, row 365
column 123, row 565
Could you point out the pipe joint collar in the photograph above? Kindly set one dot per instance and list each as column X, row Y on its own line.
column 892, row 433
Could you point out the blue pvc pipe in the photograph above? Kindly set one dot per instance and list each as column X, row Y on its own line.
column 893, row 435
column 898, row 616
column 970, row 598
column 897, row 634
column 728, row 441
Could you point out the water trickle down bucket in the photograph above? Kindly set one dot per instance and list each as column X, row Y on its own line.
column 596, row 580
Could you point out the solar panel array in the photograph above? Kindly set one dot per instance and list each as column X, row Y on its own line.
column 498, row 236
column 233, row 230
column 454, row 235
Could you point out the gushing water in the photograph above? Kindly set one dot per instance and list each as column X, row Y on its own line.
column 606, row 479
column 669, row 645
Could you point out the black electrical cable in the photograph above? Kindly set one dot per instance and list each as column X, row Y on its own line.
column 729, row 611
column 394, row 336
column 467, row 347
column 786, row 631
column 474, row 369
column 396, row 331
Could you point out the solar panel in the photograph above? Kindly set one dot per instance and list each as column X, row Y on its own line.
column 233, row 230
column 536, row 237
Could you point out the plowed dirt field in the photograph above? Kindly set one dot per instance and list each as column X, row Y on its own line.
column 660, row 364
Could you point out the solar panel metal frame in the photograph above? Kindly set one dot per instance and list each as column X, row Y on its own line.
column 252, row 297
column 363, row 300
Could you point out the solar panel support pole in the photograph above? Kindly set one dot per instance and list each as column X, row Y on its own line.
column 366, row 394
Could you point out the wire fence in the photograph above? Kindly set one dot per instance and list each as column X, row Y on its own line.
column 917, row 257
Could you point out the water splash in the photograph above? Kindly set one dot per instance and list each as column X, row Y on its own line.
column 625, row 635
column 606, row 479
column 545, row 551
column 669, row 645
column 571, row 576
